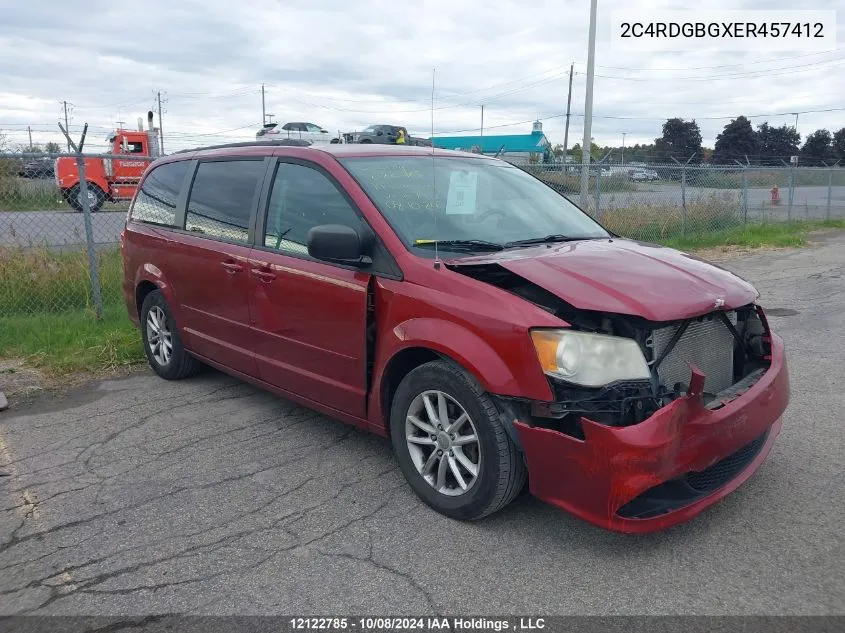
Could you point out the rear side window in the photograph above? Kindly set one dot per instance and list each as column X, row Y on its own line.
column 221, row 199
column 156, row 201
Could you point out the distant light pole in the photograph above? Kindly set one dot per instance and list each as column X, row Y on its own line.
column 623, row 148
column 588, row 108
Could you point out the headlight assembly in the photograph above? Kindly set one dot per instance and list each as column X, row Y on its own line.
column 589, row 360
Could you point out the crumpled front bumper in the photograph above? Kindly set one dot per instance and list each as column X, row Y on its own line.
column 596, row 477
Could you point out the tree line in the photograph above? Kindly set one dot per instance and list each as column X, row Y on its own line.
column 738, row 141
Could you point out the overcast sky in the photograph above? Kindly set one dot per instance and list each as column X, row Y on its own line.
column 344, row 65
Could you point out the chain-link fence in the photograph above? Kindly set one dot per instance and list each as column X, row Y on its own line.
column 60, row 223
column 658, row 202
column 59, row 248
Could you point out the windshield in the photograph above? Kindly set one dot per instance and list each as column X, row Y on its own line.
column 455, row 199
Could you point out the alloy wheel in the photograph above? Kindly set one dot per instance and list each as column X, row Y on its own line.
column 159, row 336
column 443, row 443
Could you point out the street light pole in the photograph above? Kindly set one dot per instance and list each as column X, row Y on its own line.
column 624, row 134
column 588, row 108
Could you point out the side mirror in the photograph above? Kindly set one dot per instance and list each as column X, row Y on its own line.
column 338, row 243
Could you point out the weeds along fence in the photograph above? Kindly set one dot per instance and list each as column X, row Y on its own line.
column 659, row 202
column 59, row 240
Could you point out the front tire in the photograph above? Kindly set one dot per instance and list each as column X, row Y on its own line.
column 451, row 445
column 162, row 344
column 96, row 198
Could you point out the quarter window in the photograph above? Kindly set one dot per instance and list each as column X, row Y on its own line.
column 221, row 199
column 156, row 201
column 301, row 199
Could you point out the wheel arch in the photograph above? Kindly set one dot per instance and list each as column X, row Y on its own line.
column 142, row 289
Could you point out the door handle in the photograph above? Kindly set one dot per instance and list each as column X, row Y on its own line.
column 264, row 275
column 232, row 267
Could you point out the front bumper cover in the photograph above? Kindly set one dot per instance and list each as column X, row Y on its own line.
column 597, row 478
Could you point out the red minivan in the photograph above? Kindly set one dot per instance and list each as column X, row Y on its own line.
column 459, row 306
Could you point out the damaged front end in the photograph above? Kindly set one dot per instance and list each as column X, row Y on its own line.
column 730, row 350
column 639, row 455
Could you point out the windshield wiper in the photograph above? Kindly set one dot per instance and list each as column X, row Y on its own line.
column 462, row 245
column 554, row 237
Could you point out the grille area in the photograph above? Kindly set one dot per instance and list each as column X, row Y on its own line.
column 707, row 343
column 722, row 472
column 678, row 493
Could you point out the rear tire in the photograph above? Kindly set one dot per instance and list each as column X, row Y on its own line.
column 96, row 198
column 162, row 343
column 500, row 471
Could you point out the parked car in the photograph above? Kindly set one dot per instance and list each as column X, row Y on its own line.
column 639, row 175
column 38, row 168
column 386, row 135
column 301, row 130
column 459, row 306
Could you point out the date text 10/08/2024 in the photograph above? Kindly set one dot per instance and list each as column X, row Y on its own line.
column 418, row 624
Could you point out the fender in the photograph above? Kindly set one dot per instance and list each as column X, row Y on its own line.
column 153, row 274
column 463, row 346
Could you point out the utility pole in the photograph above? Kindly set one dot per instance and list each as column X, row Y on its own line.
column 160, row 129
column 568, row 104
column 623, row 148
column 263, row 111
column 29, row 129
column 588, row 109
column 66, row 125
column 482, row 120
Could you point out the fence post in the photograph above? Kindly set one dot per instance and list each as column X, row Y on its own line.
column 598, row 185
column 744, row 189
column 830, row 189
column 745, row 195
column 93, row 269
column 683, row 193
column 791, row 192
column 598, row 193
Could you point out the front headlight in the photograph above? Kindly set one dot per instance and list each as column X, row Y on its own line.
column 590, row 360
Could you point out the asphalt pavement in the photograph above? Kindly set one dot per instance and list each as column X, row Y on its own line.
column 140, row 496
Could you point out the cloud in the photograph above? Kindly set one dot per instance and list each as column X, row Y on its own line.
column 347, row 65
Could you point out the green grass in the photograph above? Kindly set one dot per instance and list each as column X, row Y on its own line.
column 778, row 234
column 41, row 280
column 30, row 195
column 47, row 312
column 72, row 342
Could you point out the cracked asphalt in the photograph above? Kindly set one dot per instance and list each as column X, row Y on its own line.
column 137, row 496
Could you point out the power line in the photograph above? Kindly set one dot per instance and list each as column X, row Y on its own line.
column 428, row 99
column 743, row 64
column 635, row 118
column 789, row 70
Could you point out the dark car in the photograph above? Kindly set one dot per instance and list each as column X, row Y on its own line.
column 387, row 135
column 464, row 309
column 38, row 168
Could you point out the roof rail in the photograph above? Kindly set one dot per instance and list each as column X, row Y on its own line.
column 289, row 142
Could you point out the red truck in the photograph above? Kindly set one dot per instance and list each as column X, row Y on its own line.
column 110, row 179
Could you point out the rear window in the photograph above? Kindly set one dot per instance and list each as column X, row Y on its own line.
column 156, row 201
column 221, row 197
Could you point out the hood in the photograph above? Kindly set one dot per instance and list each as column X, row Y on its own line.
column 623, row 277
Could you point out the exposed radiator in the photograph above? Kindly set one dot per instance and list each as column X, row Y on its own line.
column 708, row 344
